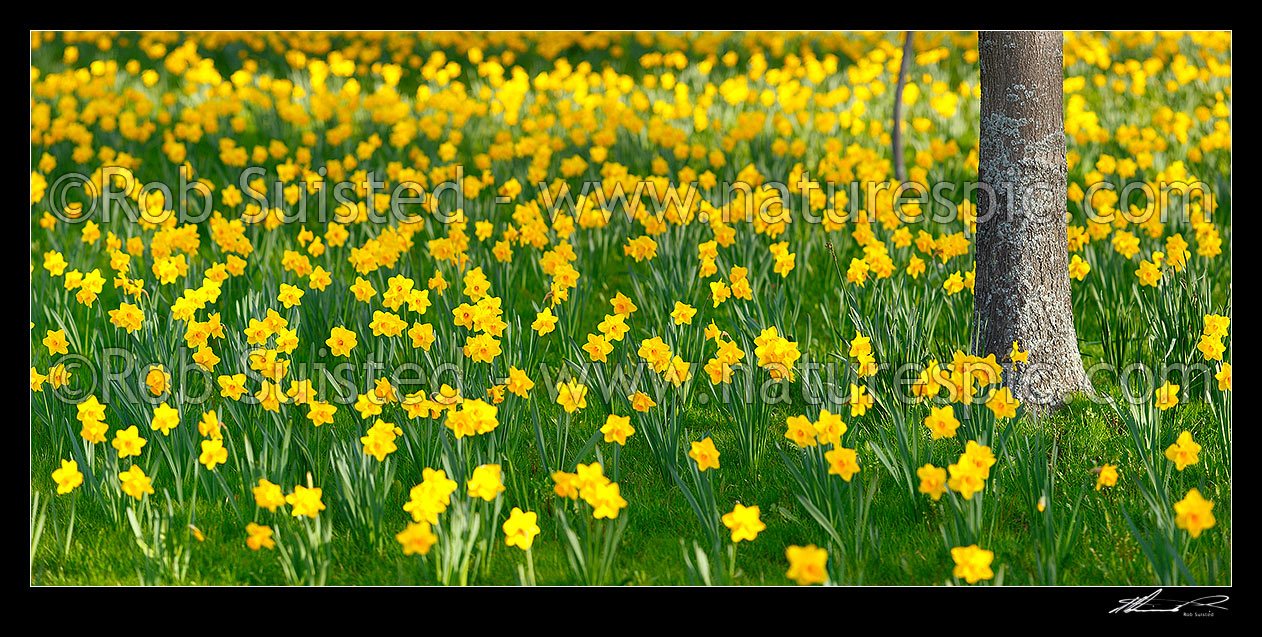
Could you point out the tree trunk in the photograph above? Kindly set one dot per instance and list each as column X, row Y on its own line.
column 1022, row 252
column 900, row 164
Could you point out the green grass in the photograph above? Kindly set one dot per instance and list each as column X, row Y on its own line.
column 911, row 549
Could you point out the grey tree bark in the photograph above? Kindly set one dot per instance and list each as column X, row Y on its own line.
column 896, row 138
column 1022, row 255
